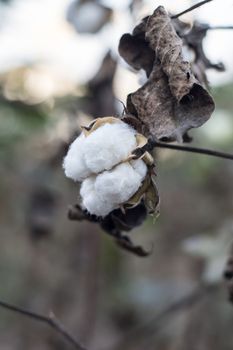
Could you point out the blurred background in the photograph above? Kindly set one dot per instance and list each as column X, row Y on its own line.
column 59, row 68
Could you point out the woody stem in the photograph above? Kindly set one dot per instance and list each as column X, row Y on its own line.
column 201, row 3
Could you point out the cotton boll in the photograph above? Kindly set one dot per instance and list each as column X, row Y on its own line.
column 74, row 164
column 118, row 184
column 108, row 146
column 140, row 167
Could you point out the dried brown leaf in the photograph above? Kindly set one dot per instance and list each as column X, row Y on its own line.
column 194, row 39
column 172, row 101
column 167, row 45
column 136, row 51
column 152, row 198
column 163, row 116
column 135, row 123
column 125, row 243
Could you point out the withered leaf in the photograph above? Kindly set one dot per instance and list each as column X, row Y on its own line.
column 117, row 221
column 114, row 223
column 163, row 116
column 135, row 123
column 167, row 45
column 136, row 51
column 76, row 213
column 137, row 197
column 132, row 218
column 172, row 101
column 125, row 243
column 194, row 39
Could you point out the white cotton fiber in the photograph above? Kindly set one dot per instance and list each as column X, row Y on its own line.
column 109, row 145
column 118, row 184
column 96, row 206
column 88, row 186
column 91, row 201
column 140, row 167
column 99, row 160
column 74, row 164
column 105, row 192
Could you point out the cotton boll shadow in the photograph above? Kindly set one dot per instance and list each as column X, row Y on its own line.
column 136, row 52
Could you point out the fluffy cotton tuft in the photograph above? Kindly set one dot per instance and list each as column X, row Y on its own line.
column 118, row 184
column 99, row 160
column 91, row 200
column 108, row 146
column 140, row 167
column 105, row 192
column 101, row 150
column 74, row 164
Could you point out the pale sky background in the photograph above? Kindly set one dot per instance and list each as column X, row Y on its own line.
column 36, row 31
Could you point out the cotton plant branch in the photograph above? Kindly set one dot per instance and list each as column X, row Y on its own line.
column 199, row 4
column 220, row 27
column 152, row 144
column 49, row 320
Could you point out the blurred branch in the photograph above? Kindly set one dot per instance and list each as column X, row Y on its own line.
column 199, row 4
column 152, row 326
column 50, row 320
column 219, row 27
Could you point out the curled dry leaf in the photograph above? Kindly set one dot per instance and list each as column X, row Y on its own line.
column 114, row 223
column 163, row 115
column 152, row 200
column 136, row 51
column 172, row 101
column 125, row 243
column 163, row 39
column 193, row 40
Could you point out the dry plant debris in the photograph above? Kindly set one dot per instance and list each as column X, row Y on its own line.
column 172, row 101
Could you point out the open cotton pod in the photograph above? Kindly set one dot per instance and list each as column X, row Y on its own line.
column 102, row 158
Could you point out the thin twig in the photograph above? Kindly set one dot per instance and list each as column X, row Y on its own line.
column 191, row 8
column 219, row 27
column 151, row 327
column 191, row 149
column 50, row 320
